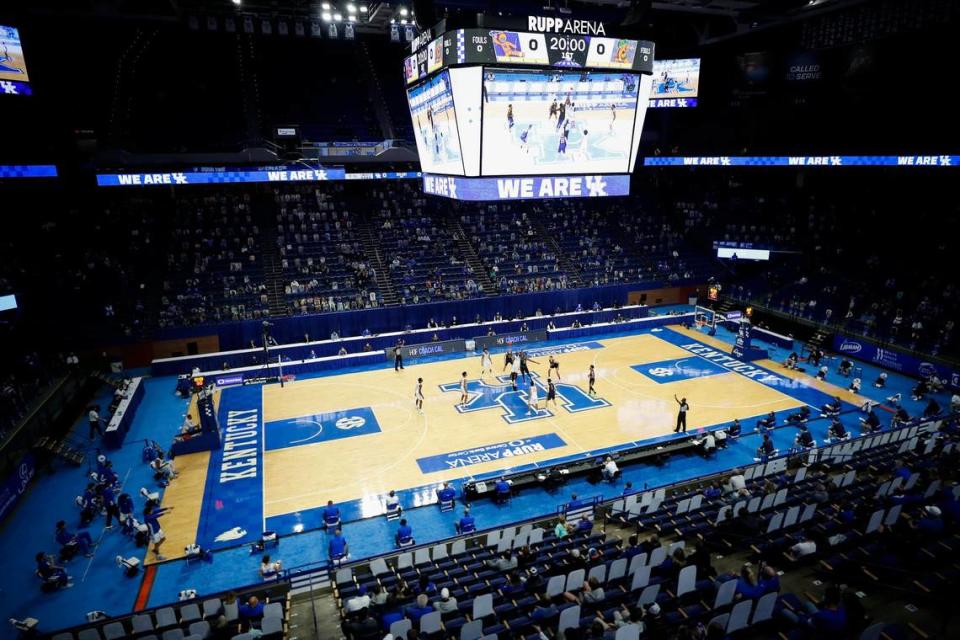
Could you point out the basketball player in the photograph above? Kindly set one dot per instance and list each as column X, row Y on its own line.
column 463, row 389
column 554, row 365
column 581, row 152
column 681, row 414
column 524, row 369
column 533, row 402
column 554, row 108
column 486, row 363
column 551, row 393
column 508, row 358
column 525, row 139
column 592, row 378
column 561, row 115
column 562, row 146
column 514, row 372
column 613, row 116
column 418, row 395
column 509, row 117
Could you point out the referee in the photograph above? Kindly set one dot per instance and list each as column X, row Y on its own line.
column 681, row 415
column 398, row 356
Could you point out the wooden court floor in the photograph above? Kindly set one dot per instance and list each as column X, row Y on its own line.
column 364, row 467
column 301, row 477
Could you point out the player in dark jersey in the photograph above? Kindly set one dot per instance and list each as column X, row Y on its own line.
column 592, row 378
column 509, row 116
column 561, row 115
column 508, row 358
column 524, row 369
column 554, row 366
column 551, row 393
column 554, row 109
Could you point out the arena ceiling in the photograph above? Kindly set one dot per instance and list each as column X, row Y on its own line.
column 676, row 22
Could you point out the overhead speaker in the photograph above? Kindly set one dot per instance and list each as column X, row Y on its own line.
column 425, row 12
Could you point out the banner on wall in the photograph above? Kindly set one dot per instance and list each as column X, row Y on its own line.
column 16, row 484
column 894, row 360
column 439, row 348
column 507, row 339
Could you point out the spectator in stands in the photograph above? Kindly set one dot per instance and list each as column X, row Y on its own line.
column 805, row 547
column 446, row 603
column 735, row 482
column 829, row 620
column 585, row 524
column 270, row 569
column 592, row 593
column 747, row 588
column 466, row 524
column 506, row 561
column 82, row 541
column 419, row 608
column 404, row 536
column 360, row 601
column 362, row 626
column 560, row 530
column 338, row 548
column 342, row 351
column 426, row 585
column 820, row 495
column 930, row 521
column 251, row 612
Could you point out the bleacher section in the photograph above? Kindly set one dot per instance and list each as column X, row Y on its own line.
column 422, row 253
column 321, row 255
column 865, row 517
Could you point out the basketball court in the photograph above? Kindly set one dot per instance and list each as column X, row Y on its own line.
column 353, row 437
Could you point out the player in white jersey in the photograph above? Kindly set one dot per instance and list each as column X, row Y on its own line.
column 514, row 372
column 418, row 395
column 533, row 402
column 486, row 363
column 463, row 388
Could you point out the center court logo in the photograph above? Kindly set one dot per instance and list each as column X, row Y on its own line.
column 483, row 396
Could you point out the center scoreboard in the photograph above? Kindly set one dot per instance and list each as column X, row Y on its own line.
column 554, row 110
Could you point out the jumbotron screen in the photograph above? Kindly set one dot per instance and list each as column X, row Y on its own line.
column 435, row 125
column 13, row 69
column 676, row 83
column 557, row 121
